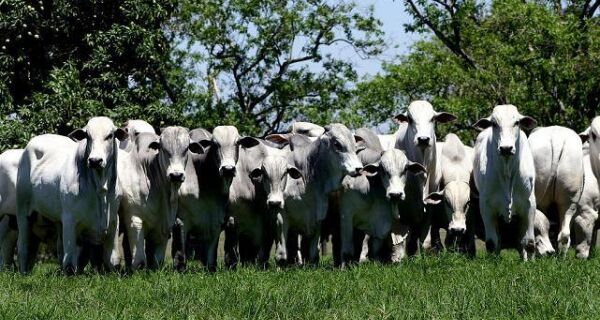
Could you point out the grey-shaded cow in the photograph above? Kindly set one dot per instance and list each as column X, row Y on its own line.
column 585, row 223
column 9, row 165
column 558, row 160
column 150, row 176
column 416, row 137
column 504, row 174
column 133, row 128
column 204, row 196
column 72, row 182
column 454, row 198
column 322, row 163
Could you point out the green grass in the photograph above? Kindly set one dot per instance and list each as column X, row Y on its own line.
column 446, row 287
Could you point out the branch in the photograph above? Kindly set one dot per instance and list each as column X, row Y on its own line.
column 454, row 47
column 593, row 9
column 238, row 84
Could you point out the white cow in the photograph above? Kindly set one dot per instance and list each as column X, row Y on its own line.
column 416, row 137
column 592, row 135
column 388, row 141
column 558, row 159
column 504, row 174
column 9, row 165
column 454, row 198
column 133, row 128
column 72, row 182
column 585, row 222
column 150, row 175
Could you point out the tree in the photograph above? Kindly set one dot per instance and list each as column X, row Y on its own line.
column 541, row 56
column 62, row 62
column 265, row 62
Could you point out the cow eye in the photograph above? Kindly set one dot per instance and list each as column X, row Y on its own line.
column 110, row 136
column 337, row 145
column 256, row 174
column 593, row 136
column 516, row 123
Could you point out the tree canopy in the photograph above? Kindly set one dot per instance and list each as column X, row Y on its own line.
column 542, row 56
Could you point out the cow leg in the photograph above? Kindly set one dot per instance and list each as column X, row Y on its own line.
column 211, row 254
column 7, row 241
column 293, row 249
column 490, row 224
column 231, row 257
column 564, row 236
column 281, row 241
column 584, row 226
column 178, row 246
column 27, row 243
column 526, row 233
column 71, row 250
column 375, row 249
column 347, row 239
column 365, row 249
column 110, row 254
column 135, row 237
column 403, row 242
column 310, row 248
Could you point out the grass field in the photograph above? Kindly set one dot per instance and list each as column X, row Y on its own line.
column 446, row 287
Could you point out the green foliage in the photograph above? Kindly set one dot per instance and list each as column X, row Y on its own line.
column 62, row 62
column 447, row 287
column 265, row 63
column 537, row 55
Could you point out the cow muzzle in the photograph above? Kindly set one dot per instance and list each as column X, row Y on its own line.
column 177, row 177
column 227, row 171
column 275, row 204
column 506, row 151
column 96, row 163
column 423, row 142
column 396, row 195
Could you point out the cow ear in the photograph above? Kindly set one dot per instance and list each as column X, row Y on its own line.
column 196, row 147
column 247, row 142
column 415, row 168
column 483, row 124
column 256, row 174
column 360, row 143
column 585, row 135
column 371, row 169
column 278, row 138
column 154, row 145
column 527, row 123
column 401, row 118
column 121, row 134
column 444, row 117
column 294, row 172
column 78, row 135
column 434, row 198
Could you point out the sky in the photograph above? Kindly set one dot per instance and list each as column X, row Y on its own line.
column 393, row 16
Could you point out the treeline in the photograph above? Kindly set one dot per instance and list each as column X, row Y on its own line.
column 260, row 64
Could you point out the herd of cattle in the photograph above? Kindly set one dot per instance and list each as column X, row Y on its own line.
column 378, row 197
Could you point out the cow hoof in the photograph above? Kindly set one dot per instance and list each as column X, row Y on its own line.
column 70, row 270
column 490, row 246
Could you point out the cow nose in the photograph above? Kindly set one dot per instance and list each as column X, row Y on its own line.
column 227, row 171
column 458, row 231
column 356, row 172
column 506, row 150
column 396, row 195
column 423, row 141
column 95, row 163
column 274, row 204
column 176, row 176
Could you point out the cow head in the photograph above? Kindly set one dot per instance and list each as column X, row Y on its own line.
column 341, row 146
column 592, row 136
column 224, row 146
column 133, row 128
column 392, row 169
column 272, row 176
column 456, row 198
column 173, row 146
column 99, row 135
column 506, row 123
column 421, row 119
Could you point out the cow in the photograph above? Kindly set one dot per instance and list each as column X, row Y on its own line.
column 370, row 203
column 585, row 221
column 387, row 141
column 322, row 164
column 248, row 199
column 9, row 165
column 150, row 176
column 504, row 174
column 416, row 137
column 558, row 160
column 133, row 128
column 306, row 128
column 71, row 181
column 204, row 196
column 592, row 136
column 453, row 200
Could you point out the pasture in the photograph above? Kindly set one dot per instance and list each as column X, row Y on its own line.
column 445, row 287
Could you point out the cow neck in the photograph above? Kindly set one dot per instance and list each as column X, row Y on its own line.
column 103, row 184
column 322, row 175
column 508, row 169
column 209, row 180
